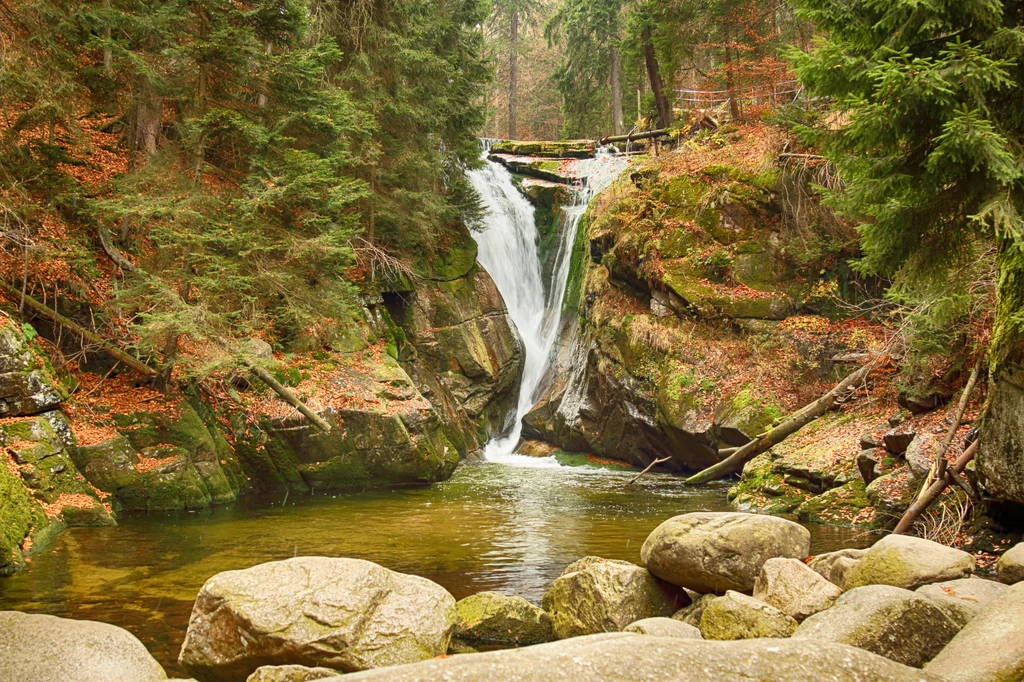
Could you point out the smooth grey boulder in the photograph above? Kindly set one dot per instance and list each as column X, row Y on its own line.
column 41, row 648
column 793, row 588
column 345, row 614
column 991, row 647
column 289, row 673
column 963, row 599
column 737, row 616
column 495, row 618
column 1010, row 567
column 601, row 595
column 618, row 657
column 664, row 627
column 908, row 562
column 719, row 551
column 833, row 566
column 885, row 620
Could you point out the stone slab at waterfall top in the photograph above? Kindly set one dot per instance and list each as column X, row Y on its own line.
column 908, row 562
column 601, row 595
column 643, row 658
column 42, row 648
column 719, row 551
column 991, row 647
column 892, row 622
column 346, row 614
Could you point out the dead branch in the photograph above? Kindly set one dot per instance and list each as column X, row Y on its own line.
column 104, row 345
column 938, row 467
column 933, row 491
column 649, row 467
column 111, row 250
column 765, row 441
column 383, row 263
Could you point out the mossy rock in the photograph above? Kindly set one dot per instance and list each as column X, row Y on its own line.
column 583, row 459
column 760, row 489
column 842, row 506
column 491, row 618
column 712, row 302
column 551, row 171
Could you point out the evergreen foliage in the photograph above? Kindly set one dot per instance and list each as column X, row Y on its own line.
column 927, row 130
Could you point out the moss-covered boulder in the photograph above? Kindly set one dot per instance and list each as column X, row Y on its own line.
column 885, row 620
column 603, row 595
column 494, row 618
column 719, row 551
column 847, row 505
column 1000, row 463
column 27, row 381
column 737, row 616
column 1010, row 565
column 41, row 490
column 290, row 673
column 908, row 562
column 345, row 614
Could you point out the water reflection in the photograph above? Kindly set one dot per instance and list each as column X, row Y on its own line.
column 491, row 527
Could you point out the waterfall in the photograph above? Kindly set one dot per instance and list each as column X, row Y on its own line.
column 508, row 251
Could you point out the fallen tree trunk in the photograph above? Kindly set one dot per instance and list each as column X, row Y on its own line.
column 938, row 468
column 636, row 136
column 934, row 490
column 104, row 345
column 287, row 395
column 765, row 441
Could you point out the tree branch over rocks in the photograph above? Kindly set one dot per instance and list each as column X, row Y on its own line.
column 799, row 419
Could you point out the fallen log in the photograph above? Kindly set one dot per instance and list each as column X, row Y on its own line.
column 649, row 467
column 632, row 137
column 934, row 490
column 938, row 468
column 287, row 395
column 765, row 441
column 104, row 345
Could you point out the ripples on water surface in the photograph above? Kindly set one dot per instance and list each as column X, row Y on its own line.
column 491, row 527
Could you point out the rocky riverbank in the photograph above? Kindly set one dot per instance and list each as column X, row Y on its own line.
column 739, row 587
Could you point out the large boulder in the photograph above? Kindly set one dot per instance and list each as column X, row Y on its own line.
column 27, row 384
column 1010, row 567
column 495, row 618
column 793, row 588
column 1000, row 461
column 991, row 647
column 599, row 595
column 737, row 616
column 345, row 614
column 833, row 566
column 908, row 562
column 963, row 599
column 624, row 656
column 889, row 621
column 719, row 551
column 664, row 627
column 41, row 648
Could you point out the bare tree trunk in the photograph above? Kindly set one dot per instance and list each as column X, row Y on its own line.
column 108, row 57
column 148, row 115
column 204, row 78
column 513, row 72
column 613, row 55
column 657, row 85
column 730, row 82
column 261, row 99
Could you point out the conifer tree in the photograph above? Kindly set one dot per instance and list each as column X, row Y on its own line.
column 928, row 134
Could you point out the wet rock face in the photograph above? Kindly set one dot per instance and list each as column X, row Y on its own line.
column 601, row 595
column 889, row 621
column 344, row 614
column 664, row 627
column 624, row 656
column 1000, row 458
column 719, row 551
column 45, row 648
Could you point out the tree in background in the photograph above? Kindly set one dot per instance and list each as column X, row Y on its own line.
column 590, row 31
column 511, row 15
column 927, row 131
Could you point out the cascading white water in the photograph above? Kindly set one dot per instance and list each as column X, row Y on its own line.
column 508, row 251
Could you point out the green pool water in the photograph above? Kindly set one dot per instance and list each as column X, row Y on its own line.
column 491, row 527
